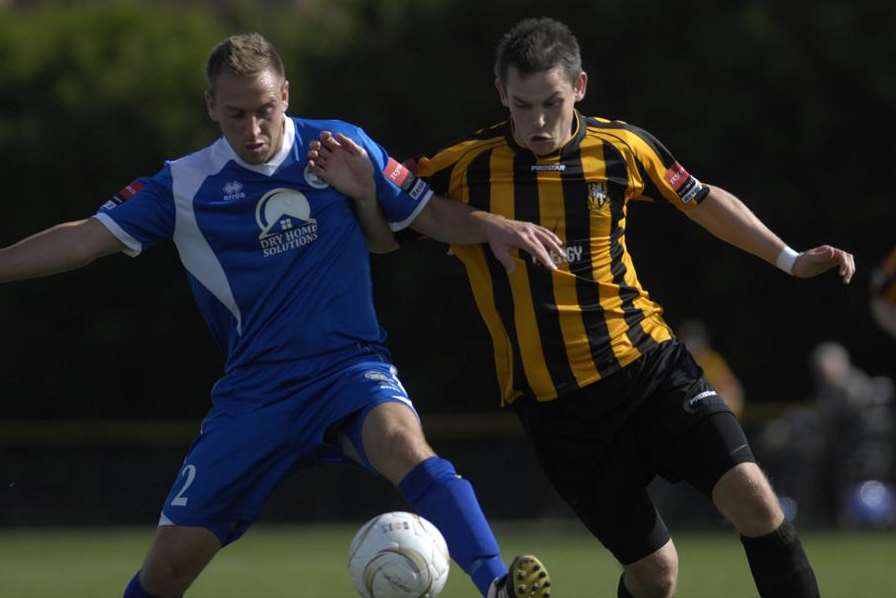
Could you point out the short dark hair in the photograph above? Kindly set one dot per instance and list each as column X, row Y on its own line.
column 244, row 55
column 538, row 45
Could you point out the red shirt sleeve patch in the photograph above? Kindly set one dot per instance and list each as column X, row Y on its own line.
column 676, row 176
column 396, row 172
column 130, row 191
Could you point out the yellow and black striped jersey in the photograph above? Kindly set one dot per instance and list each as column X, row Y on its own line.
column 556, row 331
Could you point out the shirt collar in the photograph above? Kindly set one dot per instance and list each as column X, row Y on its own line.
column 271, row 166
column 579, row 130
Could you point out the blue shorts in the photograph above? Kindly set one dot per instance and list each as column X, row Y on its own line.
column 237, row 460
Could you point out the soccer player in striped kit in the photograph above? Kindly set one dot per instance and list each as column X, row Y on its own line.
column 608, row 396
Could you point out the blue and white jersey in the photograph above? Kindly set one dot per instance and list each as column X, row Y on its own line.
column 276, row 258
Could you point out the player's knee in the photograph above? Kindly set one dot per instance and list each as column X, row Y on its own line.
column 393, row 436
column 164, row 578
column 745, row 497
column 655, row 576
column 395, row 447
column 406, row 446
column 177, row 556
column 660, row 583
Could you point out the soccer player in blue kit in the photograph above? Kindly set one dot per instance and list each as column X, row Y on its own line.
column 278, row 264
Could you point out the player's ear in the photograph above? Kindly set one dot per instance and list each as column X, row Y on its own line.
column 284, row 94
column 581, row 85
column 502, row 92
column 210, row 105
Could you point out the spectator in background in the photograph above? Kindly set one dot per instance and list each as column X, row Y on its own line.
column 694, row 335
column 883, row 293
column 858, row 422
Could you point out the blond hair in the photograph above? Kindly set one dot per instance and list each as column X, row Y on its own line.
column 244, row 55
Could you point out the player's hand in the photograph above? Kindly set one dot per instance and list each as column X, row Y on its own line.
column 817, row 260
column 503, row 235
column 343, row 164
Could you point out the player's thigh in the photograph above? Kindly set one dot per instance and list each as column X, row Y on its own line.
column 382, row 432
column 620, row 513
column 230, row 470
column 393, row 439
column 690, row 431
column 605, row 483
column 176, row 557
column 710, row 448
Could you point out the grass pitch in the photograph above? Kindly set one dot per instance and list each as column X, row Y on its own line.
column 309, row 562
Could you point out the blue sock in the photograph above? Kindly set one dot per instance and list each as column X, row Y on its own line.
column 438, row 494
column 135, row 590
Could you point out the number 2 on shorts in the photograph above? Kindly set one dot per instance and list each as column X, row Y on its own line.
column 180, row 500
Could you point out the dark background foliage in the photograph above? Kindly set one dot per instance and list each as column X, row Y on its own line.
column 788, row 105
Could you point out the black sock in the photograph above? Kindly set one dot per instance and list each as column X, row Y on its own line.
column 779, row 564
column 622, row 591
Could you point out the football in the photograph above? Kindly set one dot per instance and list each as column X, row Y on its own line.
column 398, row 555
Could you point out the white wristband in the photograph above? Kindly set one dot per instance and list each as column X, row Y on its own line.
column 786, row 258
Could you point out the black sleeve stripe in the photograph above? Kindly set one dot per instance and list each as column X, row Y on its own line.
column 665, row 155
column 651, row 191
column 440, row 180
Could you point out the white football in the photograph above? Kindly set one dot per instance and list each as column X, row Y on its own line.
column 398, row 555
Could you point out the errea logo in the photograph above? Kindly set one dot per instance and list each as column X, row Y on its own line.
column 233, row 191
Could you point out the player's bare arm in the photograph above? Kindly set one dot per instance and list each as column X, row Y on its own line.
column 726, row 217
column 351, row 172
column 450, row 221
column 61, row 248
column 345, row 166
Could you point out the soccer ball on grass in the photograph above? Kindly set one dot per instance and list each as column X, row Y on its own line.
column 398, row 555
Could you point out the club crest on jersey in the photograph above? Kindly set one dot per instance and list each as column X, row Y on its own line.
column 284, row 217
column 313, row 180
column 233, row 191
column 597, row 196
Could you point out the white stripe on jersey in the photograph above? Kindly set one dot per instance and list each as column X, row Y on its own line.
column 397, row 226
column 196, row 254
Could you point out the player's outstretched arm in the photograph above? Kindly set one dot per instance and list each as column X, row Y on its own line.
column 726, row 217
column 346, row 166
column 452, row 222
column 64, row 247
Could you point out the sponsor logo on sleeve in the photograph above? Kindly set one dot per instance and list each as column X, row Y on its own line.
column 676, row 176
column 418, row 189
column 122, row 196
column 399, row 174
column 685, row 186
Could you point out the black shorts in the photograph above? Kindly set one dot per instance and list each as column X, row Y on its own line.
column 600, row 446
